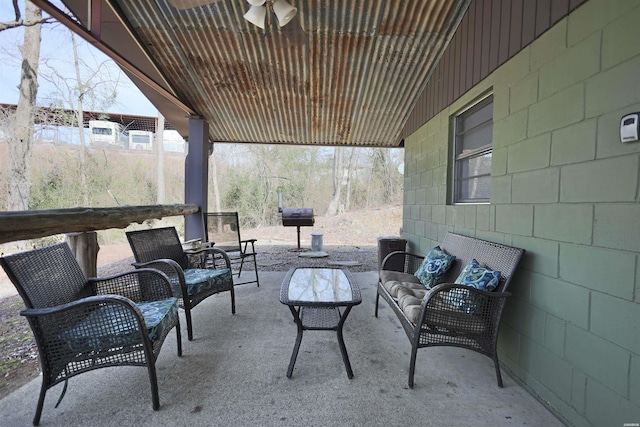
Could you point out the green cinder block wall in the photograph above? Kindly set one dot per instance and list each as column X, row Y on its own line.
column 567, row 190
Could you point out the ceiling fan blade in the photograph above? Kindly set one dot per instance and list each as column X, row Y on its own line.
column 188, row 4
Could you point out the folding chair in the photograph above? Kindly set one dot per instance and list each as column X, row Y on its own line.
column 223, row 231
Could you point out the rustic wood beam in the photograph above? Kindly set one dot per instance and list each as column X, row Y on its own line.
column 23, row 225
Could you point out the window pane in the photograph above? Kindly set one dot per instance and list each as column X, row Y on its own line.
column 475, row 166
column 475, row 189
column 473, row 139
column 478, row 137
column 476, row 116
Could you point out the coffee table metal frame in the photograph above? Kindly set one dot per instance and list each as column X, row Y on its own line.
column 320, row 311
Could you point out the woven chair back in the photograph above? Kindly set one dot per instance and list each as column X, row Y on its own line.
column 47, row 276
column 157, row 243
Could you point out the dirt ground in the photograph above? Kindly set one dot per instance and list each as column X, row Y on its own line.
column 351, row 238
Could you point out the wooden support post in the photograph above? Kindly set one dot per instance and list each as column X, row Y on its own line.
column 85, row 248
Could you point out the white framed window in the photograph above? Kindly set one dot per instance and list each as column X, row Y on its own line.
column 472, row 153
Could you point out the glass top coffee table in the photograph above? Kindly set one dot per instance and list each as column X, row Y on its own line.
column 315, row 296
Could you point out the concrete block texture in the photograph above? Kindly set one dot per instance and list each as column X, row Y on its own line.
column 564, row 222
column 575, row 143
column 539, row 186
column 613, row 88
column 572, row 66
column 605, row 407
column 585, row 266
column 616, row 320
column 624, row 27
column 561, row 299
column 531, row 154
column 608, row 180
column 514, row 219
column 599, row 359
column 617, row 226
column 558, row 110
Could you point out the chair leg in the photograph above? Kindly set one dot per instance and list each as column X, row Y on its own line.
column 179, row 338
column 255, row 267
column 412, row 365
column 498, row 374
column 377, row 301
column 187, row 315
column 43, row 392
column 153, row 379
column 233, row 300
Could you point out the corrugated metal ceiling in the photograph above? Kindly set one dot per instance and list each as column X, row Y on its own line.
column 341, row 73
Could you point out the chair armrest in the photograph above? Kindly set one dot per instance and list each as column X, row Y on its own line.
column 212, row 255
column 405, row 262
column 173, row 271
column 441, row 302
column 246, row 245
column 52, row 321
column 144, row 284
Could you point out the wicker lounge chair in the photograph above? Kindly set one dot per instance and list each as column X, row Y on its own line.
column 83, row 324
column 223, row 229
column 193, row 281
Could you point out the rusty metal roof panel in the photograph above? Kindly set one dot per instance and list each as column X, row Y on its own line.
column 341, row 73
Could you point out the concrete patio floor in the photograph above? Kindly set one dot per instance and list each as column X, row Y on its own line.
column 234, row 373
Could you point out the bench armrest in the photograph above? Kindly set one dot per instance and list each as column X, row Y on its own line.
column 405, row 262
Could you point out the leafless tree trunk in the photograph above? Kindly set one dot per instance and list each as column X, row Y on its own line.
column 339, row 181
column 20, row 143
column 352, row 157
column 213, row 174
column 79, row 111
column 159, row 144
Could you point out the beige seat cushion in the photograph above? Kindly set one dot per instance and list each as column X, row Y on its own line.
column 394, row 286
column 398, row 276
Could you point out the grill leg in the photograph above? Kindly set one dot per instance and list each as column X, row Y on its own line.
column 298, row 227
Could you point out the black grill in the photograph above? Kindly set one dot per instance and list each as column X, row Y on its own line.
column 297, row 217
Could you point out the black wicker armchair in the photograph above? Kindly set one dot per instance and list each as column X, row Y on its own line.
column 83, row 324
column 436, row 317
column 195, row 275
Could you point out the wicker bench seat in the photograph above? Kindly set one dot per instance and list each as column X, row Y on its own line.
column 449, row 313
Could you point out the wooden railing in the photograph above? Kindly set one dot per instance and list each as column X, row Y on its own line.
column 23, row 225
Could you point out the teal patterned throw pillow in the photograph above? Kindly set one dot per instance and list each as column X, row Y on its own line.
column 476, row 276
column 435, row 264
